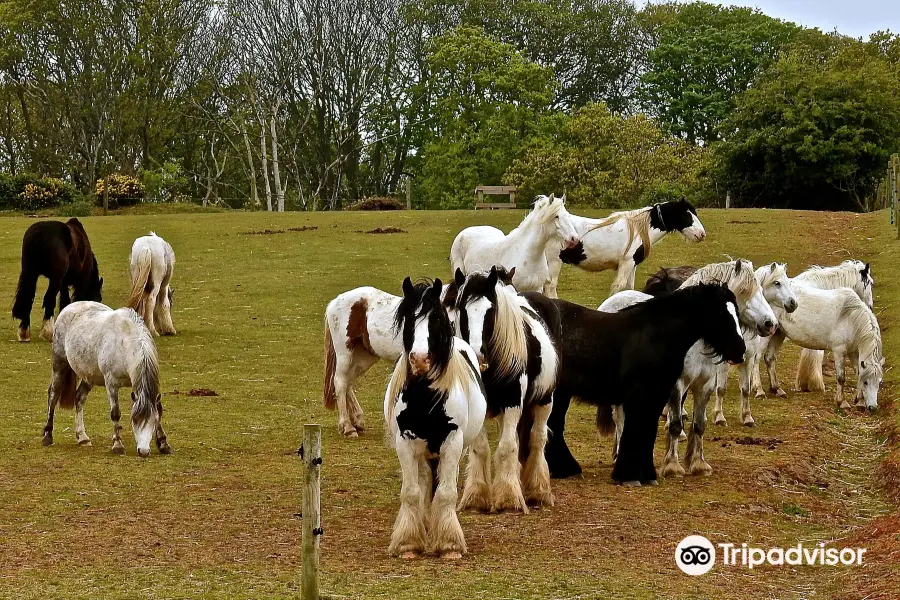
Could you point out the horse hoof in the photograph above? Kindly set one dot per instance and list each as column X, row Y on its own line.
column 24, row 334
column 47, row 330
column 409, row 555
column 780, row 393
column 166, row 449
column 84, row 442
column 845, row 405
column 630, row 484
column 682, row 437
column 701, row 468
column 118, row 449
column 47, row 440
column 749, row 422
column 672, row 469
column 759, row 394
column 720, row 420
column 454, row 555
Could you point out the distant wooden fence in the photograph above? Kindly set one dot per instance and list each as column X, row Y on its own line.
column 495, row 190
column 888, row 193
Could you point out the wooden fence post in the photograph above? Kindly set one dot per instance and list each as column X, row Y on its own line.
column 409, row 193
column 895, row 185
column 727, row 199
column 311, row 452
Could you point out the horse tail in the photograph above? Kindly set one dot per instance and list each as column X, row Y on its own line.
column 25, row 293
column 809, row 371
column 67, row 383
column 140, row 279
column 605, row 423
column 330, row 362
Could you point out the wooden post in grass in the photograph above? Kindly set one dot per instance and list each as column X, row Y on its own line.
column 894, row 186
column 727, row 199
column 105, row 195
column 311, row 452
column 409, row 193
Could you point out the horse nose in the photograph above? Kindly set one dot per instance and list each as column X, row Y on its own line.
column 793, row 306
column 420, row 363
column 872, row 407
column 143, row 452
column 770, row 326
column 571, row 242
column 701, row 236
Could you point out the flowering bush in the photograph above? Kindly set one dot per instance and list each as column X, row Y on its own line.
column 29, row 192
column 123, row 190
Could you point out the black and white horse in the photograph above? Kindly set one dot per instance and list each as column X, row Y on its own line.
column 624, row 244
column 634, row 358
column 434, row 408
column 518, row 357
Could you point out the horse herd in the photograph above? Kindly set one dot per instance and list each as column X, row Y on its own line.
column 494, row 342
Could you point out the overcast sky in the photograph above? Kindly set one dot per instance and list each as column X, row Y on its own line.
column 857, row 18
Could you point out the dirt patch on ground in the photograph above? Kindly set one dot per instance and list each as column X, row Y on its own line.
column 278, row 231
column 194, row 392
column 378, row 230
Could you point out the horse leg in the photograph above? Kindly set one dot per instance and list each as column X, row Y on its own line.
column 559, row 458
column 81, row 395
column 65, row 298
column 49, row 306
column 839, row 375
column 618, row 416
column 24, row 302
column 554, row 265
column 775, row 342
column 408, row 535
column 756, row 386
column 718, row 412
column 115, row 414
column 693, row 456
column 362, row 362
column 675, row 428
column 162, row 440
column 150, row 308
column 860, row 402
column 636, row 449
column 54, row 393
column 507, row 488
column 477, row 489
column 624, row 276
column 536, row 475
column 343, row 382
column 744, row 374
column 162, row 315
column 444, row 531
column 427, row 479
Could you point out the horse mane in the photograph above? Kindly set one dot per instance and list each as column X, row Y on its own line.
column 766, row 276
column 742, row 283
column 545, row 209
column 509, row 346
column 845, row 274
column 638, row 223
column 145, row 377
column 868, row 333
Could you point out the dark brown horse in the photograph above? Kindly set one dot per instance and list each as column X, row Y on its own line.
column 61, row 252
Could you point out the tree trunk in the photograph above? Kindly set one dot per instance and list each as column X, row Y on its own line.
column 254, row 197
column 265, row 162
column 276, row 172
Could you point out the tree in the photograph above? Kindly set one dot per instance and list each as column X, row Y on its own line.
column 705, row 54
column 487, row 101
column 813, row 133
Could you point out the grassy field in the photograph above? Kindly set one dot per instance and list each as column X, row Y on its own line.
column 217, row 519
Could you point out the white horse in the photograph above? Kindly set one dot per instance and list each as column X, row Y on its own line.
column 702, row 376
column 836, row 320
column 779, row 293
column 482, row 247
column 625, row 244
column 112, row 348
column 434, row 409
column 359, row 330
column 152, row 265
column 853, row 274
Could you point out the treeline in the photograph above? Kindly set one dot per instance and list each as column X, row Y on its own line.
column 314, row 104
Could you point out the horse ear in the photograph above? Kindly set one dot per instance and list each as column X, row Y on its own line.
column 551, row 198
column 862, row 364
column 563, row 199
column 438, row 286
column 510, row 275
column 737, row 266
column 865, row 271
column 772, row 267
column 493, row 277
column 459, row 277
column 101, row 282
column 408, row 287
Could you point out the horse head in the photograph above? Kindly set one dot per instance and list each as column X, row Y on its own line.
column 556, row 221
column 427, row 331
column 871, row 378
column 720, row 322
column 777, row 287
column 680, row 216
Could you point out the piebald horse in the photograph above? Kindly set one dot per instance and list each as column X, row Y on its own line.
column 113, row 348
column 152, row 266
column 624, row 244
column 434, row 409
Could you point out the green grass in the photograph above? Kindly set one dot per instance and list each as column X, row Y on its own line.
column 217, row 519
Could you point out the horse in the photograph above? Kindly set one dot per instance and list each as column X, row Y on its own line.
column 112, row 348
column 434, row 409
column 626, row 244
column 853, row 274
column 61, row 252
column 359, row 330
column 152, row 265
column 836, row 320
column 634, row 358
column 482, row 247
column 518, row 357
column 701, row 375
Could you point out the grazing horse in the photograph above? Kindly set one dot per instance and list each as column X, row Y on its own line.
column 359, row 330
column 634, row 358
column 112, row 348
column 853, row 274
column 152, row 265
column 836, row 320
column 519, row 360
column 482, row 247
column 701, row 375
column 61, row 252
column 626, row 244
column 434, row 408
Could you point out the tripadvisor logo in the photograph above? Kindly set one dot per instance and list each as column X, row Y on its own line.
column 696, row 555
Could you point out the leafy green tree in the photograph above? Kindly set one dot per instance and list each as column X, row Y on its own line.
column 813, row 133
column 705, row 54
column 606, row 160
column 487, row 101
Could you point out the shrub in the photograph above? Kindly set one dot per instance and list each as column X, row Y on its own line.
column 124, row 190
column 79, row 208
column 377, row 203
column 28, row 192
column 165, row 184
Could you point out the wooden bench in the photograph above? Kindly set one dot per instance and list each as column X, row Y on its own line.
column 495, row 190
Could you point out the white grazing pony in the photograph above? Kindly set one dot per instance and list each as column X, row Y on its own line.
column 152, row 265
column 359, row 330
column 625, row 244
column 112, row 348
column 779, row 293
column 434, row 409
column 853, row 274
column 839, row 321
column 479, row 248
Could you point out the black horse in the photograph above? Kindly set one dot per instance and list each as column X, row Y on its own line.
column 61, row 252
column 633, row 358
